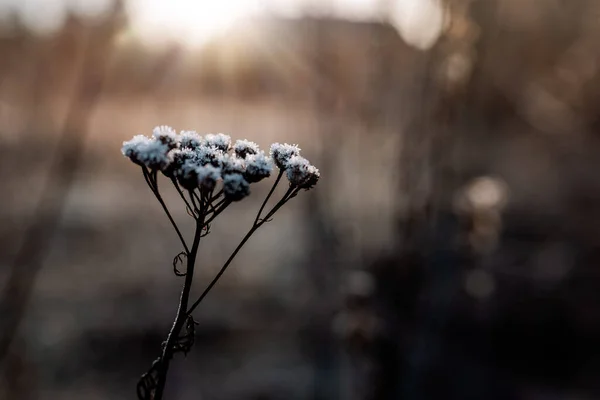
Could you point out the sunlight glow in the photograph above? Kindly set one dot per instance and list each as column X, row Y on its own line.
column 194, row 22
column 191, row 22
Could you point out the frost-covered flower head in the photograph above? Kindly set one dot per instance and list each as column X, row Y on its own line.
column 166, row 135
column 258, row 167
column 187, row 174
column 178, row 158
column 197, row 162
column 243, row 148
column 209, row 155
column 232, row 165
column 301, row 173
column 146, row 151
column 208, row 176
column 190, row 140
column 235, row 187
column 281, row 153
column 219, row 140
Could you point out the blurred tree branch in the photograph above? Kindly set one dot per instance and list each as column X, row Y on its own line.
column 95, row 47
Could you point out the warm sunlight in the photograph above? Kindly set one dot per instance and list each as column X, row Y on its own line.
column 190, row 22
column 194, row 22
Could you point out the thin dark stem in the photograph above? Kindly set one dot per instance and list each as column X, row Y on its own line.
column 181, row 194
column 182, row 314
column 257, row 224
column 153, row 183
column 216, row 196
column 262, row 207
column 222, row 270
column 192, row 198
column 195, row 196
column 218, row 211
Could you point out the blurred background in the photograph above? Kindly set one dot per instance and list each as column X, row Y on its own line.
column 449, row 251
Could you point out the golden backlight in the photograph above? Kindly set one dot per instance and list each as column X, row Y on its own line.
column 191, row 22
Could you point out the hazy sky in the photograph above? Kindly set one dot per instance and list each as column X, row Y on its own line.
column 194, row 21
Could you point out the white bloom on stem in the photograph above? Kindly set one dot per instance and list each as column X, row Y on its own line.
column 281, row 153
column 190, row 139
column 166, row 135
column 243, row 148
column 232, row 165
column 177, row 158
column 208, row 176
column 209, row 155
column 258, row 167
column 151, row 153
column 301, row 173
column 219, row 140
column 235, row 187
column 187, row 174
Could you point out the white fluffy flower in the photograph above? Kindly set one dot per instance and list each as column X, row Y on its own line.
column 177, row 158
column 235, row 187
column 301, row 173
column 219, row 140
column 190, row 139
column 281, row 153
column 208, row 176
column 258, row 167
column 152, row 153
column 166, row 135
column 187, row 174
column 209, row 155
column 232, row 165
column 243, row 148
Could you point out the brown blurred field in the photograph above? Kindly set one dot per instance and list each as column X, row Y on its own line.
column 449, row 251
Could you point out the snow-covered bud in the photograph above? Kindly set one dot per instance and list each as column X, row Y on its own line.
column 232, row 165
column 258, row 167
column 219, row 140
column 243, row 148
column 177, row 158
column 208, row 176
column 146, row 151
column 166, row 135
column 235, row 187
column 301, row 173
column 190, row 140
column 281, row 153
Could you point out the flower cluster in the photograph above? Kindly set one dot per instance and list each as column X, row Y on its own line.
column 299, row 171
column 198, row 162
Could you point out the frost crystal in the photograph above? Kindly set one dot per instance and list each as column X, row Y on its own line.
column 244, row 147
column 209, row 155
column 281, row 153
column 219, row 140
column 178, row 158
column 232, row 165
column 145, row 151
column 258, row 167
column 235, row 187
column 187, row 174
column 166, row 135
column 190, row 139
column 301, row 173
column 208, row 176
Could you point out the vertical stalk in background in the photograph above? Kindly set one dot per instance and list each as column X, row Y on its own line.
column 70, row 149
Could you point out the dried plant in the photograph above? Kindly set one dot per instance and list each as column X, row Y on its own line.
column 209, row 174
